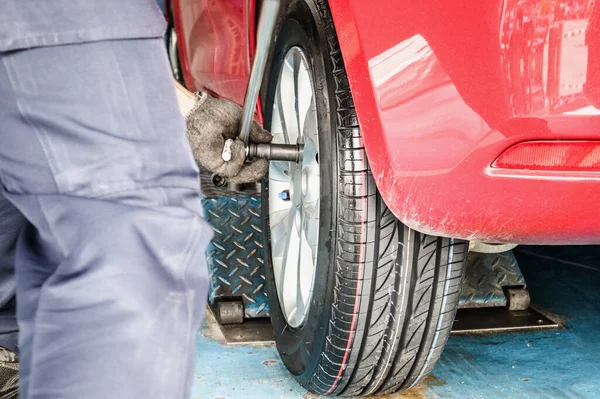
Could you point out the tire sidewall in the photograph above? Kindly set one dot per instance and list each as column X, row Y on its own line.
column 300, row 348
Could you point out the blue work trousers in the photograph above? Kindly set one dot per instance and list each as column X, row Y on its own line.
column 111, row 276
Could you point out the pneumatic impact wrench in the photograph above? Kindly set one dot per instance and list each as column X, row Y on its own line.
column 264, row 39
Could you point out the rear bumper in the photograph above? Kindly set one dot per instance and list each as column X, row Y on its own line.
column 473, row 201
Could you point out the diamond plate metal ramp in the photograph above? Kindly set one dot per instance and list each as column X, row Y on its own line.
column 235, row 256
column 486, row 276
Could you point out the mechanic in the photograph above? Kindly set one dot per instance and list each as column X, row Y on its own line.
column 101, row 213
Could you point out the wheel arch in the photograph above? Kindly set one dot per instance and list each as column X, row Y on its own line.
column 356, row 64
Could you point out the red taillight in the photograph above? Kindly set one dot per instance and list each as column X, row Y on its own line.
column 552, row 155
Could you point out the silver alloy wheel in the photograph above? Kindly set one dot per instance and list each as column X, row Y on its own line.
column 294, row 189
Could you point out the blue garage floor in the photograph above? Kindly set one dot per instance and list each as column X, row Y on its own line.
column 550, row 364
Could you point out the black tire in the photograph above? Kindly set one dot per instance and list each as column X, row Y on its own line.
column 384, row 296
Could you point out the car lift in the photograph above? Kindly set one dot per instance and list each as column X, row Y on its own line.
column 494, row 296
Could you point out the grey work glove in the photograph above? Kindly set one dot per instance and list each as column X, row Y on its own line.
column 209, row 124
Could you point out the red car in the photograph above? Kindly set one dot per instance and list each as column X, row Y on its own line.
column 426, row 125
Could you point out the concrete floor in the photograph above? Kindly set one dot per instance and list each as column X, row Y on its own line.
column 547, row 364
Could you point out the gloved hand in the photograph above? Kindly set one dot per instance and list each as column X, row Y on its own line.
column 209, row 124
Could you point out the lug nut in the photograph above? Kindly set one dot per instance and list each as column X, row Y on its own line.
column 284, row 195
column 218, row 181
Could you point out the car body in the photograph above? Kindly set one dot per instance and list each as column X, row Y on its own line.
column 442, row 90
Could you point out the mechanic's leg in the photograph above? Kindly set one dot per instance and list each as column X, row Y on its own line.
column 111, row 274
column 11, row 223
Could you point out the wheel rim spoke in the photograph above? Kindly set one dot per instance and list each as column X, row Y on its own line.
column 290, row 265
column 277, row 171
column 286, row 102
column 278, row 182
column 299, row 300
column 305, row 103
column 306, row 268
column 310, row 125
column 311, row 229
column 296, row 67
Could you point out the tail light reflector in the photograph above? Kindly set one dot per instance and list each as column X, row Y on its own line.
column 573, row 155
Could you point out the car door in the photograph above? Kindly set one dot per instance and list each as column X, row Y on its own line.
column 214, row 44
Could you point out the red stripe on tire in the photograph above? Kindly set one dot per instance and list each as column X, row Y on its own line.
column 361, row 256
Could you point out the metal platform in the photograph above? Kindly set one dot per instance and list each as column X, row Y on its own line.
column 493, row 320
column 469, row 321
column 486, row 278
column 235, row 256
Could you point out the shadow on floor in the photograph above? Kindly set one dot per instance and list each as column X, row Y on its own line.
column 553, row 364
